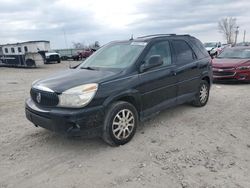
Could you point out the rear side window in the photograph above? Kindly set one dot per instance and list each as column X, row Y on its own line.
column 162, row 49
column 199, row 49
column 184, row 53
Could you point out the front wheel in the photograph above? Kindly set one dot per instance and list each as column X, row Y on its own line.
column 120, row 123
column 202, row 95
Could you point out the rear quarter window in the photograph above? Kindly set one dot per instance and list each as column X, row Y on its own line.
column 198, row 48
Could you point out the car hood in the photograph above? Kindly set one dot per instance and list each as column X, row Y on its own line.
column 74, row 77
column 220, row 63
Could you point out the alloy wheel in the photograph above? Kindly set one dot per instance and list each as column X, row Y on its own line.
column 123, row 124
column 203, row 93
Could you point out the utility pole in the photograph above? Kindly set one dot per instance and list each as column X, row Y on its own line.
column 236, row 35
column 244, row 36
column 65, row 39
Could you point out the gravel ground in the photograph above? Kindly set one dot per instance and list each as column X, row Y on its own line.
column 181, row 147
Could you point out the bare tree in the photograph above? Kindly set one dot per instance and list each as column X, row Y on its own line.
column 227, row 26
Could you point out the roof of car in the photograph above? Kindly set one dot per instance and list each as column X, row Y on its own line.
column 147, row 38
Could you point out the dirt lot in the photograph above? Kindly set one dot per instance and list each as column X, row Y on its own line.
column 181, row 147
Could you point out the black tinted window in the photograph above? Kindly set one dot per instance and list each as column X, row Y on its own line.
column 19, row 49
column 184, row 54
column 6, row 50
column 162, row 49
column 13, row 50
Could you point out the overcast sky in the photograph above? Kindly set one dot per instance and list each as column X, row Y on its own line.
column 105, row 20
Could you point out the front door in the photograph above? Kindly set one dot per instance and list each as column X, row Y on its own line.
column 158, row 88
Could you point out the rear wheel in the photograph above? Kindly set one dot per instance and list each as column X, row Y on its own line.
column 120, row 123
column 202, row 95
column 30, row 63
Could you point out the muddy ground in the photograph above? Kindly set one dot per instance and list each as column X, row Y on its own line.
column 183, row 147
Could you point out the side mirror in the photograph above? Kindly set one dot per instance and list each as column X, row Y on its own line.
column 154, row 61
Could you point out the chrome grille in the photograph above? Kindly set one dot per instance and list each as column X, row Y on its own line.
column 44, row 98
column 215, row 73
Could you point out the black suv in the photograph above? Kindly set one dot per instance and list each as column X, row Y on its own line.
column 121, row 84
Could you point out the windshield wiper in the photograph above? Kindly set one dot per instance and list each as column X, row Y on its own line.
column 88, row 68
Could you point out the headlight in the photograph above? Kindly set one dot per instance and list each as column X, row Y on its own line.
column 78, row 97
column 244, row 67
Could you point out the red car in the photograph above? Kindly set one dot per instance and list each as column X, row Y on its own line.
column 86, row 53
column 232, row 64
column 83, row 54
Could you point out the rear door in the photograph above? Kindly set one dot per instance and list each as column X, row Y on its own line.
column 187, row 70
column 158, row 88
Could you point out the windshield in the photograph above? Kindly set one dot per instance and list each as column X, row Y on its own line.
column 235, row 54
column 115, row 55
column 210, row 44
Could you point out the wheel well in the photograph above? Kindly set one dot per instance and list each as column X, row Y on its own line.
column 206, row 78
column 132, row 101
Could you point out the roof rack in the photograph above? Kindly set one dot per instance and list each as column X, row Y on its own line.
column 155, row 35
column 161, row 35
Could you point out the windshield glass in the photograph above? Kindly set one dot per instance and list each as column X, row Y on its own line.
column 115, row 55
column 235, row 53
column 210, row 44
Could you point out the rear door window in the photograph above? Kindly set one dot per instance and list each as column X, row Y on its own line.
column 199, row 48
column 184, row 53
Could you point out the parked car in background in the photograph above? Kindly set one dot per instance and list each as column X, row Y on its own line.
column 87, row 52
column 213, row 48
column 122, row 83
column 232, row 64
column 76, row 56
column 51, row 57
column 67, row 54
column 83, row 54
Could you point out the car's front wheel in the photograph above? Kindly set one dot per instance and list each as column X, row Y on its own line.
column 202, row 95
column 120, row 123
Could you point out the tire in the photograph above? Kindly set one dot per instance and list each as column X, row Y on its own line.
column 30, row 63
column 202, row 95
column 116, row 130
column 59, row 61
